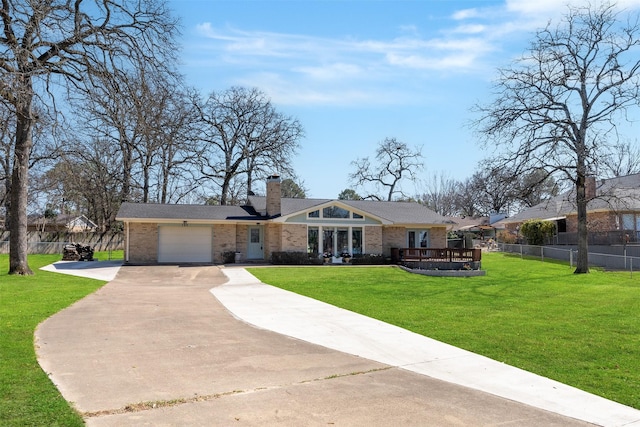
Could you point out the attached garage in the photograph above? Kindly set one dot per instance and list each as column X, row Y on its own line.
column 177, row 244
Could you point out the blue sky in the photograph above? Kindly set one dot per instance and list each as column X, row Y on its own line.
column 355, row 72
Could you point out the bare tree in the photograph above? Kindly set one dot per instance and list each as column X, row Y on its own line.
column 495, row 189
column 466, row 200
column 622, row 160
column 244, row 135
column 107, row 112
column 394, row 161
column 44, row 151
column 86, row 181
column 558, row 105
column 535, row 187
column 149, row 116
column 7, row 125
column 177, row 132
column 441, row 194
column 46, row 43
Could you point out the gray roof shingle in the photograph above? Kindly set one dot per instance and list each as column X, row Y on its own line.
column 393, row 212
column 615, row 194
column 179, row 212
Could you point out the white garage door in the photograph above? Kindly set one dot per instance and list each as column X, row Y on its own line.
column 184, row 244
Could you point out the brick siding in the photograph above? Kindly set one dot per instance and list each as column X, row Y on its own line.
column 393, row 237
column 294, row 238
column 143, row 243
column 596, row 222
column 272, row 239
column 225, row 237
column 372, row 240
column 438, row 237
column 143, row 240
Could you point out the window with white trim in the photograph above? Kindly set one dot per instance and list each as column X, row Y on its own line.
column 335, row 240
column 418, row 238
column 335, row 212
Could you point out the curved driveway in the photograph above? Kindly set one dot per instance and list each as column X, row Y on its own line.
column 155, row 347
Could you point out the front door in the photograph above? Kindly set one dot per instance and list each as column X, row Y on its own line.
column 255, row 249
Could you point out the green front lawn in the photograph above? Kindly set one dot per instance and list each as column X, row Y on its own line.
column 582, row 330
column 27, row 396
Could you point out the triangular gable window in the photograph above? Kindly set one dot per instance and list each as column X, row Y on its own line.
column 334, row 212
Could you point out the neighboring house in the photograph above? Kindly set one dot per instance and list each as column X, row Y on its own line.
column 477, row 225
column 613, row 212
column 159, row 233
column 62, row 222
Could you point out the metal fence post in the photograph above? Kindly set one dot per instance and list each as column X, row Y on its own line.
column 570, row 258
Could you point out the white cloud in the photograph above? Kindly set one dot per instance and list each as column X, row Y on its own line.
column 466, row 14
column 535, row 7
column 330, row 71
column 311, row 69
column 470, row 29
column 344, row 56
column 293, row 90
column 446, row 62
column 553, row 8
column 300, row 69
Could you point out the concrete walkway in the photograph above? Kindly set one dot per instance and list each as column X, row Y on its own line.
column 152, row 335
column 293, row 315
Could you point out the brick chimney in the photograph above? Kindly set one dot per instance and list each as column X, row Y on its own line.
column 590, row 187
column 274, row 196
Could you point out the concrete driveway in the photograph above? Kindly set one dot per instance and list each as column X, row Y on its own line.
column 154, row 347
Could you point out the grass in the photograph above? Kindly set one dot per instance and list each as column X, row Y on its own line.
column 582, row 330
column 109, row 255
column 27, row 396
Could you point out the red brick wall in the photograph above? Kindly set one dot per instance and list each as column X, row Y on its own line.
column 596, row 222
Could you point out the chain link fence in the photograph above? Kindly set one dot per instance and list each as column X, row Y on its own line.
column 622, row 262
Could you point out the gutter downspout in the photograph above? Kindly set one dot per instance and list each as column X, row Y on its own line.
column 126, row 228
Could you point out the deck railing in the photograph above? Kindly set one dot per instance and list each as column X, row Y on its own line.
column 438, row 254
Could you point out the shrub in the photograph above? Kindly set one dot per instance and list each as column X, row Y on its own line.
column 369, row 259
column 228, row 257
column 505, row 236
column 294, row 258
column 537, row 231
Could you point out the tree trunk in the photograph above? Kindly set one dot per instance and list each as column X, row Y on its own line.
column 250, row 166
column 224, row 191
column 19, row 192
column 6, row 170
column 145, row 182
column 7, row 202
column 127, row 165
column 582, row 263
column 167, row 158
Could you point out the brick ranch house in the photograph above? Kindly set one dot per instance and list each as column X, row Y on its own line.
column 164, row 233
column 613, row 211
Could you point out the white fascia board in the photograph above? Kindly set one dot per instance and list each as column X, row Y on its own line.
column 180, row 220
column 319, row 206
column 419, row 225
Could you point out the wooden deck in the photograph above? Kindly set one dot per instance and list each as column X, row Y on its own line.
column 439, row 255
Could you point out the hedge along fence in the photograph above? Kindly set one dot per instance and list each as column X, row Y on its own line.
column 53, row 242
